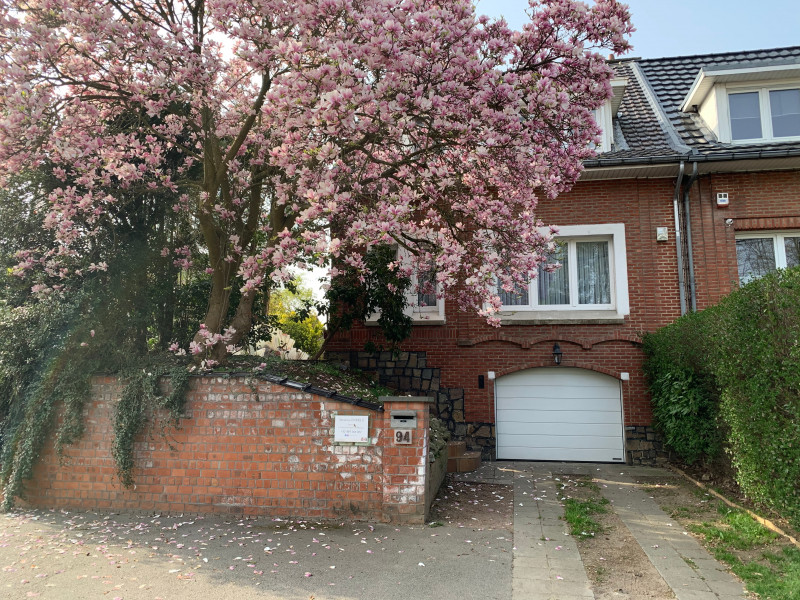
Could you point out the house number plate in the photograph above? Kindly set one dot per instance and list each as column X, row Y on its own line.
column 402, row 436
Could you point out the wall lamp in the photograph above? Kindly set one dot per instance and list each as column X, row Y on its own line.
column 557, row 353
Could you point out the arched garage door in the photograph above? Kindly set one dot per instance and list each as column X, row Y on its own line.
column 559, row 413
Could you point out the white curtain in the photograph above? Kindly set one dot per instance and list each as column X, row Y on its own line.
column 554, row 286
column 517, row 297
column 594, row 280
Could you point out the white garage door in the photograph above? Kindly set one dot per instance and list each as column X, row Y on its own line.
column 559, row 414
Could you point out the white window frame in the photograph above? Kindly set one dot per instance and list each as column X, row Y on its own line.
column 604, row 121
column 723, row 107
column 433, row 315
column 779, row 247
column 614, row 234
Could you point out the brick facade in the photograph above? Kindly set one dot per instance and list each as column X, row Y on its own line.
column 758, row 201
column 466, row 348
column 247, row 447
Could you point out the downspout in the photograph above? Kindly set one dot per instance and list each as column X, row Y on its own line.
column 679, row 249
column 687, row 215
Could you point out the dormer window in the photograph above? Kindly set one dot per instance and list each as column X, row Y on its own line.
column 764, row 114
column 604, row 116
column 746, row 103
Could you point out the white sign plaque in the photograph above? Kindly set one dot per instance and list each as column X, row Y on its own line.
column 351, row 428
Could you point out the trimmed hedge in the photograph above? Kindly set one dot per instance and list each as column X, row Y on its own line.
column 685, row 398
column 731, row 374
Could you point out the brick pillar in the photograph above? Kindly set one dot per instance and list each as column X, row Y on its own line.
column 405, row 465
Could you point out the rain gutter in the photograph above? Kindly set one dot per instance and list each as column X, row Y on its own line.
column 678, row 244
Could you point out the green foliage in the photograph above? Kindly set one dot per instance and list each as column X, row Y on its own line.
column 45, row 375
column 737, row 365
column 140, row 399
column 292, row 309
column 91, row 321
column 59, row 343
column 355, row 296
column 757, row 366
column 684, row 396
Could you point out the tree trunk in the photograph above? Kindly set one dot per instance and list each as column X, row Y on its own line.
column 242, row 322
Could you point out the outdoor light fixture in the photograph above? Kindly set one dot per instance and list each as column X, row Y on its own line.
column 557, row 353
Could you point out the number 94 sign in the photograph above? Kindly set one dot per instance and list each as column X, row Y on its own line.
column 402, row 436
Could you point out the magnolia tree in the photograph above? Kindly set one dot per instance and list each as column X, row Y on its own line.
column 297, row 132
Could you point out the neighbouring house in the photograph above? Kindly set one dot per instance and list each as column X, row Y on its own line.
column 695, row 189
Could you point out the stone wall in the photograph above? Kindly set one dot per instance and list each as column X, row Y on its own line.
column 409, row 373
column 251, row 447
column 644, row 446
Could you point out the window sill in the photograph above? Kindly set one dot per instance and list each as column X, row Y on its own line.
column 416, row 320
column 583, row 317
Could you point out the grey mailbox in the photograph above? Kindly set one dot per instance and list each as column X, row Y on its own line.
column 404, row 419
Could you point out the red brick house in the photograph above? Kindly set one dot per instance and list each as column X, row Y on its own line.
column 695, row 188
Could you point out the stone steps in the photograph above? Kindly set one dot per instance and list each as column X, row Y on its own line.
column 461, row 460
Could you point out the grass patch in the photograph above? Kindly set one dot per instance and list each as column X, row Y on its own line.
column 736, row 530
column 579, row 515
column 777, row 577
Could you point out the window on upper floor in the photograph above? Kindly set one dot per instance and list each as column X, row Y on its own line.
column 602, row 116
column 589, row 282
column 424, row 282
column 748, row 103
column 761, row 252
column 764, row 114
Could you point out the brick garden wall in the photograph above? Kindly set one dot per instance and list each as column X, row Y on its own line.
column 249, row 447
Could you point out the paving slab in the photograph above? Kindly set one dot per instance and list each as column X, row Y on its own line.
column 546, row 562
column 541, row 572
column 668, row 546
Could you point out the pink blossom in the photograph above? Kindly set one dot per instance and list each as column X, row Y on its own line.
column 276, row 144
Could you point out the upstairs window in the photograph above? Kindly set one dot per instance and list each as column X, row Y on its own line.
column 760, row 253
column 603, row 117
column 764, row 114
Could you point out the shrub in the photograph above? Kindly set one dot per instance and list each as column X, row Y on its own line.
column 756, row 363
column 684, row 395
column 732, row 374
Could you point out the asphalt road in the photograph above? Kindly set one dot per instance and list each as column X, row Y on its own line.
column 66, row 555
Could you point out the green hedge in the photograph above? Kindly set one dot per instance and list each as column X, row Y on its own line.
column 684, row 395
column 737, row 366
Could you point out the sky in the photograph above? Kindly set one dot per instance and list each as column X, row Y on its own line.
column 686, row 27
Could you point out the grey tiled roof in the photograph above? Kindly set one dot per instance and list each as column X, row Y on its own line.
column 643, row 134
column 651, row 123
